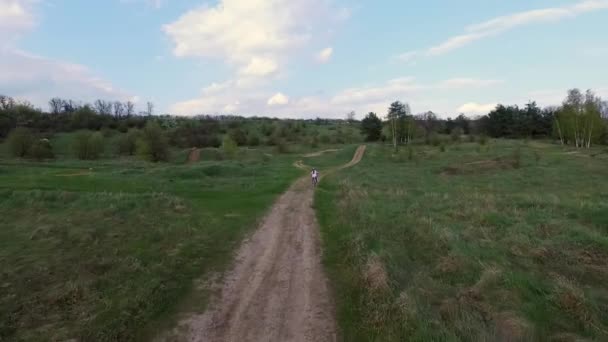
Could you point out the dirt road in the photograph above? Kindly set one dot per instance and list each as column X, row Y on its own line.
column 277, row 290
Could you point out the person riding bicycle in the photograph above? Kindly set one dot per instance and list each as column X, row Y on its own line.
column 315, row 176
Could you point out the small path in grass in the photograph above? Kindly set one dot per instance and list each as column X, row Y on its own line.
column 277, row 289
column 317, row 154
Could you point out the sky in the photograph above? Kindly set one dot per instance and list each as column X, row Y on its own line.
column 303, row 58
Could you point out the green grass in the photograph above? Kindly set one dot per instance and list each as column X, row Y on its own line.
column 470, row 244
column 104, row 250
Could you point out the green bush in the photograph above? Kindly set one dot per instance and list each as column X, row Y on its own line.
column 88, row 146
column 324, row 139
column 229, row 147
column 152, row 144
column 442, row 147
column 282, row 147
column 19, row 142
column 127, row 143
column 483, row 139
column 456, row 134
column 516, row 158
column 253, row 140
column 41, row 149
column 314, row 142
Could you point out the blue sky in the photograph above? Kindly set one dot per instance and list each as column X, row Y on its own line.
column 303, row 58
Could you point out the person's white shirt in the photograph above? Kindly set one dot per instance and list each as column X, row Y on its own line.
column 314, row 174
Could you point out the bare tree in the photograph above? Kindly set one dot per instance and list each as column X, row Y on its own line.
column 350, row 116
column 70, row 106
column 6, row 102
column 56, row 105
column 103, row 107
column 604, row 109
column 150, row 108
column 429, row 122
column 130, row 108
column 119, row 109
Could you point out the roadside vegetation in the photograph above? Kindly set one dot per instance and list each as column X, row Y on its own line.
column 504, row 241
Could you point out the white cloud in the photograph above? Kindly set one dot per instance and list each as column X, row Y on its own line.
column 157, row 4
column 16, row 18
column 278, row 99
column 460, row 83
column 476, row 108
column 505, row 23
column 376, row 98
column 324, row 55
column 37, row 79
column 259, row 66
column 254, row 36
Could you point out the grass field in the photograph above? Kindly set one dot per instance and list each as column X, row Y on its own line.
column 503, row 242
column 106, row 250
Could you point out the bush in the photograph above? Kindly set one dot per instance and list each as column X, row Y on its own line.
column 41, row 149
column 324, row 139
column 516, row 158
column 314, row 142
column 456, row 133
column 442, row 147
column 127, row 143
column 152, row 144
column 410, row 153
column 229, row 147
column 19, row 142
column 434, row 140
column 282, row 147
column 238, row 136
column 253, row 140
column 483, row 139
column 471, row 138
column 88, row 146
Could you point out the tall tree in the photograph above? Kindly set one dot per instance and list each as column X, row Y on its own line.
column 129, row 108
column 371, row 127
column 396, row 111
column 149, row 108
column 429, row 122
column 350, row 116
column 103, row 107
column 56, row 105
column 119, row 109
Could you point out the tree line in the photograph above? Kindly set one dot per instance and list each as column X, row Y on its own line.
column 581, row 121
column 32, row 126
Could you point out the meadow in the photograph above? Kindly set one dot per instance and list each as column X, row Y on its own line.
column 110, row 249
column 499, row 241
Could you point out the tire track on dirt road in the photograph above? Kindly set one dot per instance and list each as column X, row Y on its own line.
column 277, row 289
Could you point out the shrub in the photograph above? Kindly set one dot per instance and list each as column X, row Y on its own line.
column 253, row 140
column 152, row 144
column 483, row 139
column 434, row 140
column 471, row 138
column 282, row 147
column 537, row 157
column 442, row 147
column 238, row 136
column 127, row 143
column 229, row 147
column 456, row 133
column 41, row 149
column 516, row 158
column 88, row 146
column 314, row 142
column 19, row 142
column 324, row 139
column 410, row 153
